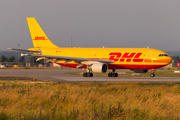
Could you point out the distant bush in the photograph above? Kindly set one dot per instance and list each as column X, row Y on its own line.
column 4, row 116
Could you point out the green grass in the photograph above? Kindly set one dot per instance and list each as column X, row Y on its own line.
column 3, row 116
column 171, row 68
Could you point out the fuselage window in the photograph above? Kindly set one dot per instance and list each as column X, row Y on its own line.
column 160, row 55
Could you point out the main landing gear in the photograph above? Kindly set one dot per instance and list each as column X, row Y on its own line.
column 87, row 74
column 152, row 73
column 112, row 74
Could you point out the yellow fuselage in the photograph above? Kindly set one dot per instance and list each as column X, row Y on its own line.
column 124, row 58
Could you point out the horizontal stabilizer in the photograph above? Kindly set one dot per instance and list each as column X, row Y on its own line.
column 35, row 51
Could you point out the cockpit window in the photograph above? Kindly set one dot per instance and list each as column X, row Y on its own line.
column 160, row 55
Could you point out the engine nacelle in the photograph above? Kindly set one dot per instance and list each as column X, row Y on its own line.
column 140, row 71
column 99, row 67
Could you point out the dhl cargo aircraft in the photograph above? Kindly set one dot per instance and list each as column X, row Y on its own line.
column 140, row 60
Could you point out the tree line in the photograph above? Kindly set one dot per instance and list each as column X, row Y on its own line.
column 21, row 59
column 11, row 59
column 176, row 59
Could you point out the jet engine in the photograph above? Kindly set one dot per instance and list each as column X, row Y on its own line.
column 99, row 67
column 140, row 71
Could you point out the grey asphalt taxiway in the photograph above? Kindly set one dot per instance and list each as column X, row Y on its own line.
column 60, row 75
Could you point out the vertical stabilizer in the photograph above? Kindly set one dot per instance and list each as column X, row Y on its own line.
column 38, row 36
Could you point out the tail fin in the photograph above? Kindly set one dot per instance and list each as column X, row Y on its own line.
column 38, row 36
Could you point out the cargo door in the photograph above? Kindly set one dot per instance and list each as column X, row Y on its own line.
column 148, row 58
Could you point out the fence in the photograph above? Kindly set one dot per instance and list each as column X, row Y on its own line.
column 11, row 64
column 75, row 114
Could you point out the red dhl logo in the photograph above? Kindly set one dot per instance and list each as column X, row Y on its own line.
column 126, row 57
column 40, row 38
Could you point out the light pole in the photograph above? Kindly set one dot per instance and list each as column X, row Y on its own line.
column 18, row 54
column 71, row 40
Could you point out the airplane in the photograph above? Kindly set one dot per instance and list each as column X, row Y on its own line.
column 139, row 60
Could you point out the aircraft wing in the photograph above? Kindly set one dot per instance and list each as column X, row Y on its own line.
column 82, row 61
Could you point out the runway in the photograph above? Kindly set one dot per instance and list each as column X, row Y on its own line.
column 59, row 75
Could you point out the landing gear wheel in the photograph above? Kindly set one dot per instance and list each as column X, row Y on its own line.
column 91, row 74
column 87, row 74
column 152, row 75
column 112, row 75
column 109, row 74
column 116, row 75
column 84, row 74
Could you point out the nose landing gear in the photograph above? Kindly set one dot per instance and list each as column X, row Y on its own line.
column 152, row 73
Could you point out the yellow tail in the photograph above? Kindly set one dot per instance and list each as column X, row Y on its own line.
column 38, row 36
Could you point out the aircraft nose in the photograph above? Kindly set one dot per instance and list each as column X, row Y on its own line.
column 165, row 61
column 169, row 60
